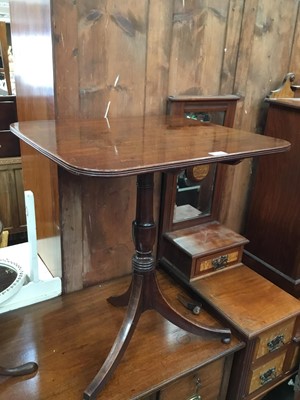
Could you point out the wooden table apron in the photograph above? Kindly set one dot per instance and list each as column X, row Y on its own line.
column 141, row 146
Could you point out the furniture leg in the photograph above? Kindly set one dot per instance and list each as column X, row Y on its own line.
column 20, row 370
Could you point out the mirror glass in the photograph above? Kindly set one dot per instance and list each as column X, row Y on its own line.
column 194, row 194
column 195, row 186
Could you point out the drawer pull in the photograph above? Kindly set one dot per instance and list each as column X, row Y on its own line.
column 268, row 376
column 196, row 396
column 220, row 262
column 275, row 343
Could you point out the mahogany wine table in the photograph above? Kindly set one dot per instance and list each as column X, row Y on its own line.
column 141, row 146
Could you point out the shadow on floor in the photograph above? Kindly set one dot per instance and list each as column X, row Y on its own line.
column 282, row 392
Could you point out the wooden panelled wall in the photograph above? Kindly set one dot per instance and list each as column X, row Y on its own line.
column 125, row 58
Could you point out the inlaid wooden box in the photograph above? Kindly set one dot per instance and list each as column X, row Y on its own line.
column 202, row 249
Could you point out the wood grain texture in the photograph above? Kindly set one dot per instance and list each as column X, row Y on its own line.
column 66, row 338
column 234, row 303
column 112, row 39
column 66, row 67
column 234, row 21
column 295, row 50
column 197, row 41
column 131, row 146
column 273, row 227
column 12, row 208
column 158, row 56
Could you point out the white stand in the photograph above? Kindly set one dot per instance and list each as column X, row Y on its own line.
column 40, row 284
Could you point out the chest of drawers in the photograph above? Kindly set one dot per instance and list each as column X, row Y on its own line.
column 266, row 318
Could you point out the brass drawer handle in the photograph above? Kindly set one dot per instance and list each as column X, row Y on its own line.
column 196, row 396
column 268, row 376
column 275, row 343
column 220, row 262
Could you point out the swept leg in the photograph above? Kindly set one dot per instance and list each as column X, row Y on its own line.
column 122, row 300
column 168, row 312
column 134, row 310
column 21, row 370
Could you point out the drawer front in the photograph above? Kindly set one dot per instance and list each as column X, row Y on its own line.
column 218, row 261
column 275, row 338
column 204, row 383
column 266, row 373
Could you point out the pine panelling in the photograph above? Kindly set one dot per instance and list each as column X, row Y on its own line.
column 71, row 224
column 273, row 29
column 107, row 239
column 270, row 25
column 234, row 22
column 197, row 44
column 158, row 56
column 233, row 29
column 65, row 42
column 112, row 57
column 295, row 55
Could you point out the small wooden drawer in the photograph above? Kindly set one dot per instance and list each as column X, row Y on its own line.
column 266, row 373
column 203, row 249
column 205, row 382
column 217, row 261
column 274, row 339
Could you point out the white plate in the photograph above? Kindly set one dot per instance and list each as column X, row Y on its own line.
column 16, row 285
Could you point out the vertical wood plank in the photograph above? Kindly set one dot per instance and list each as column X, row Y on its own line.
column 71, row 225
column 65, row 48
column 198, row 44
column 158, row 56
column 233, row 32
column 107, row 215
column 112, row 57
column 295, row 54
column 272, row 27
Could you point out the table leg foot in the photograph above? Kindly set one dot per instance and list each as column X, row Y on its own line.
column 134, row 310
column 24, row 369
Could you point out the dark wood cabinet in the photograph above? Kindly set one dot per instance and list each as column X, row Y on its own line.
column 9, row 143
column 12, row 204
column 273, row 223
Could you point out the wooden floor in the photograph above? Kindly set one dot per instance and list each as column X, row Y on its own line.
column 70, row 336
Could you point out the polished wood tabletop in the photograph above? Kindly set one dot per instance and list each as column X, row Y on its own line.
column 134, row 145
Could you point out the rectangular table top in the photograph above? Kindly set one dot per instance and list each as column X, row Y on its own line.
column 135, row 145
